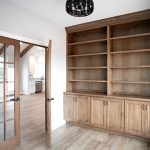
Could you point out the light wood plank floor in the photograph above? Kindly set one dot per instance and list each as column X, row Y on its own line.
column 66, row 137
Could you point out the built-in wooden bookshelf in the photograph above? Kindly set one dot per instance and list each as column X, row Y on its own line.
column 130, row 58
column 112, row 59
column 108, row 74
column 87, row 61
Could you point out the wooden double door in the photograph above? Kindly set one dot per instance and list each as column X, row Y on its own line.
column 10, row 94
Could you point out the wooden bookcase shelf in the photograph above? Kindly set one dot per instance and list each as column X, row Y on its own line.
column 86, row 55
column 91, row 35
column 101, row 67
column 130, row 36
column 88, row 92
column 130, row 67
column 130, row 29
column 112, row 59
column 98, row 81
column 131, row 51
column 86, row 42
column 130, row 82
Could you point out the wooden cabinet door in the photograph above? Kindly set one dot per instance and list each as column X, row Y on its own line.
column 83, row 110
column 69, row 107
column 134, row 117
column 98, row 112
column 115, row 115
column 147, row 120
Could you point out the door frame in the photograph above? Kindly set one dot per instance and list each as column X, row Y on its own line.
column 14, row 141
column 48, row 98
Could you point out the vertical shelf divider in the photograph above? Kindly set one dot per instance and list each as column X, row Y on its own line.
column 68, row 84
column 109, row 70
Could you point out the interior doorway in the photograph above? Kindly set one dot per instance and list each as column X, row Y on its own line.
column 35, row 67
column 32, row 85
column 32, row 69
column 10, row 84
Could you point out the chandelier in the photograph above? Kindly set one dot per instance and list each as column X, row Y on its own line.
column 79, row 8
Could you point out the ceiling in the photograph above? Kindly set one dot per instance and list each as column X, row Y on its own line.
column 54, row 10
column 34, row 50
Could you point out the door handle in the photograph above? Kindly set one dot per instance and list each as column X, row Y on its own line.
column 15, row 99
column 50, row 99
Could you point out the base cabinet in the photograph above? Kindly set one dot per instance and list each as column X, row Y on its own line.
column 115, row 115
column 120, row 115
column 69, row 107
column 108, row 114
column 83, row 110
column 73, row 109
column 137, row 118
column 98, row 112
column 147, row 120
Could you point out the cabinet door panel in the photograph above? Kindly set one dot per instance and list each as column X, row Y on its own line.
column 134, row 118
column 97, row 112
column 83, row 110
column 115, row 115
column 69, row 107
column 147, row 120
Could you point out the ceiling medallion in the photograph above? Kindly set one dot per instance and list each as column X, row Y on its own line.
column 79, row 8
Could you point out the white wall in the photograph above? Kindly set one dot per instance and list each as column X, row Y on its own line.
column 24, row 74
column 20, row 23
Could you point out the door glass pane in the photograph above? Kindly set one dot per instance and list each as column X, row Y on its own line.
column 9, row 110
column 1, row 132
column 1, row 112
column 1, row 72
column 1, row 52
column 1, row 92
column 9, row 90
column 10, row 129
column 9, row 53
column 9, row 72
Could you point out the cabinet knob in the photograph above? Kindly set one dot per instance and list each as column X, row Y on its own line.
column 105, row 103
column 143, row 107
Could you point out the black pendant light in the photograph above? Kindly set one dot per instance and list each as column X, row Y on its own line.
column 79, row 8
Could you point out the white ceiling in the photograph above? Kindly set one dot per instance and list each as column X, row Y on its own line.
column 54, row 10
column 35, row 50
column 23, row 46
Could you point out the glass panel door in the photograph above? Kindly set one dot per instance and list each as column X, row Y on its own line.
column 9, row 107
column 9, row 92
column 2, row 121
